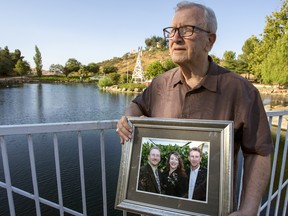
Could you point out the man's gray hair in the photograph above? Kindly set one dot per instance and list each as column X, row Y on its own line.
column 209, row 15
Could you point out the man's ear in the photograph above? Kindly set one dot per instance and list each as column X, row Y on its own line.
column 211, row 41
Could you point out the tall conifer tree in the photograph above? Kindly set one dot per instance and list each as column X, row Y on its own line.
column 38, row 62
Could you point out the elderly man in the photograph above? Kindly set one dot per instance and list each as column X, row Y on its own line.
column 200, row 89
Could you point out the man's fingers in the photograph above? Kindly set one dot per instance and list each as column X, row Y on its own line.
column 124, row 130
column 123, row 134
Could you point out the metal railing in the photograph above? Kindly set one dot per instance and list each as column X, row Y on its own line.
column 274, row 196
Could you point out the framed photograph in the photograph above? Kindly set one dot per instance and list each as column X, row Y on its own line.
column 177, row 167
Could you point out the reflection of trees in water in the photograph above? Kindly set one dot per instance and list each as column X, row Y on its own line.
column 279, row 102
column 274, row 100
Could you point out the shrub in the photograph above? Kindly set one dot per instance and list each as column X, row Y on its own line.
column 105, row 81
column 132, row 86
column 114, row 77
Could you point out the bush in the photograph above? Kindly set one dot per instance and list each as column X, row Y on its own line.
column 154, row 69
column 123, row 78
column 114, row 77
column 105, row 81
column 132, row 86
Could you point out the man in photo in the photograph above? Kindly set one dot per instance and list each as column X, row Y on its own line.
column 197, row 176
column 149, row 177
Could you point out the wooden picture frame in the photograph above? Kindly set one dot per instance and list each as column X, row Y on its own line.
column 217, row 139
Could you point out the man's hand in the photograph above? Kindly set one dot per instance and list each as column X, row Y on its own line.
column 124, row 130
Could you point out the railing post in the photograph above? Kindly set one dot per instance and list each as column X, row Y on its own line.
column 34, row 175
column 7, row 176
column 273, row 170
column 103, row 169
column 82, row 176
column 284, row 157
column 58, row 174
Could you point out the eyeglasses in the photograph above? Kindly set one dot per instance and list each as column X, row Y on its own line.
column 184, row 31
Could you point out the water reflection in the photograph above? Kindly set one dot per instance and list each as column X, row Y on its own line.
column 274, row 100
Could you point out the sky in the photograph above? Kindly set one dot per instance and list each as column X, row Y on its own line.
column 94, row 31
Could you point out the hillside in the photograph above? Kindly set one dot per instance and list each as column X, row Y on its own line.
column 128, row 61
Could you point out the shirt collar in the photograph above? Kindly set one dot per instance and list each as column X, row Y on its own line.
column 153, row 167
column 210, row 81
column 178, row 77
column 196, row 170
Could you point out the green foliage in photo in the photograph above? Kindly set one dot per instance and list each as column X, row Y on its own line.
column 165, row 151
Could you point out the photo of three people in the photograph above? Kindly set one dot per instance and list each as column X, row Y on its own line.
column 174, row 168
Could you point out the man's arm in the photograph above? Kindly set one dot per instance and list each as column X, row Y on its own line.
column 124, row 130
column 256, row 176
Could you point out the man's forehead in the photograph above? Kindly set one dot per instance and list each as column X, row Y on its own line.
column 154, row 151
column 194, row 153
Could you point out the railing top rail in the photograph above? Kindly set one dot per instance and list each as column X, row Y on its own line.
column 277, row 113
column 56, row 127
column 77, row 126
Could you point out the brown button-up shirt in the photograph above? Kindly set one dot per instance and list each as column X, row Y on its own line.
column 221, row 95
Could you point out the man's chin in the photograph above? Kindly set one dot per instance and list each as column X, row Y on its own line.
column 178, row 59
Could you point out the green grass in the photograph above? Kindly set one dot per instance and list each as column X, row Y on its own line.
column 132, row 86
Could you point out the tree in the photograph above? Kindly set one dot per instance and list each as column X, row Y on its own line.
column 154, row 69
column 254, row 60
column 72, row 65
column 38, row 62
column 155, row 42
column 56, row 68
column 248, row 57
column 275, row 29
column 22, row 67
column 114, row 77
column 83, row 70
column 93, row 67
column 125, row 78
column 6, row 62
column 168, row 64
column 16, row 56
column 109, row 69
column 66, row 71
column 229, row 60
column 275, row 66
column 215, row 59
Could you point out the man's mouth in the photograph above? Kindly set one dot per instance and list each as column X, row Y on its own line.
column 178, row 48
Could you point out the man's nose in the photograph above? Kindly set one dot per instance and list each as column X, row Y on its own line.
column 176, row 37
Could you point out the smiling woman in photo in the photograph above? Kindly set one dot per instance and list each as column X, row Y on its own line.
column 174, row 178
